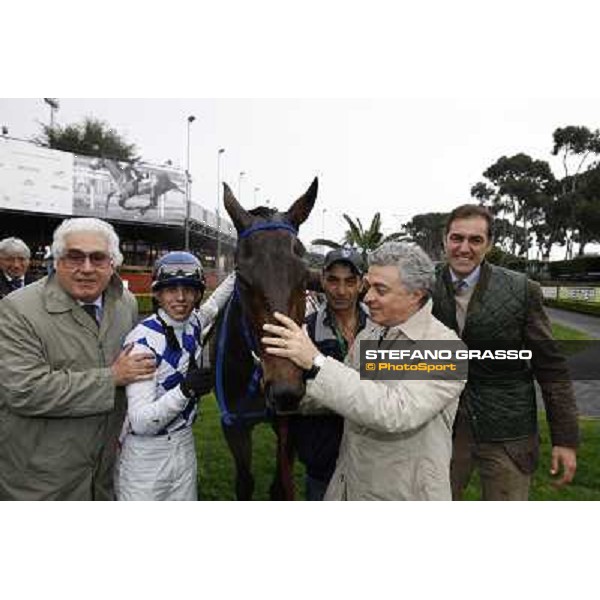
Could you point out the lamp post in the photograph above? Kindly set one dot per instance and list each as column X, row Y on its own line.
column 54, row 105
column 219, row 154
column 242, row 173
column 188, row 186
column 256, row 189
column 323, row 225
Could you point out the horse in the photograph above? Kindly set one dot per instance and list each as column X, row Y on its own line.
column 129, row 184
column 251, row 385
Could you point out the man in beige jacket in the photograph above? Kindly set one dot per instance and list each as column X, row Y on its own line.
column 62, row 371
column 397, row 441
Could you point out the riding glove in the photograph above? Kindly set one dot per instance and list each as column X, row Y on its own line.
column 197, row 381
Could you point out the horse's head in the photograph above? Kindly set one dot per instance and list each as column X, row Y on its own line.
column 271, row 276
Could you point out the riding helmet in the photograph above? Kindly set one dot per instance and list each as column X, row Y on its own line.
column 178, row 268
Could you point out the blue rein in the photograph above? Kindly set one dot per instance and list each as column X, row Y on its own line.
column 227, row 416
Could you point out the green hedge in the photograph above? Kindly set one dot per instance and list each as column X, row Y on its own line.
column 496, row 256
column 580, row 268
column 587, row 308
column 144, row 302
column 587, row 267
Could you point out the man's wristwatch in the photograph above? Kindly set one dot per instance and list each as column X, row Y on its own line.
column 318, row 362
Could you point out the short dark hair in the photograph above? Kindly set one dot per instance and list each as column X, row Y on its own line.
column 468, row 211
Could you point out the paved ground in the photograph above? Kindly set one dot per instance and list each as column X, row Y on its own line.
column 587, row 323
column 587, row 392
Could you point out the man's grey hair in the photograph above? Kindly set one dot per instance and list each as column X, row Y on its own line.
column 417, row 271
column 13, row 246
column 86, row 225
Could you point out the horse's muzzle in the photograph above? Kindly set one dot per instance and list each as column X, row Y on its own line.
column 283, row 398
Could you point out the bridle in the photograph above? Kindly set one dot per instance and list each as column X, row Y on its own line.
column 247, row 233
column 265, row 227
column 257, row 371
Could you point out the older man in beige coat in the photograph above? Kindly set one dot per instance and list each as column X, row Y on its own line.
column 62, row 371
column 397, row 441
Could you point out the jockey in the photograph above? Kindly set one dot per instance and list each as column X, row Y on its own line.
column 158, row 457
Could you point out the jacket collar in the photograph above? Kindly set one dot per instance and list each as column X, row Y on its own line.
column 416, row 326
column 57, row 300
column 485, row 272
column 471, row 279
column 329, row 319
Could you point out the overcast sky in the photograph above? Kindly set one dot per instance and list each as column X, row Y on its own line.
column 400, row 157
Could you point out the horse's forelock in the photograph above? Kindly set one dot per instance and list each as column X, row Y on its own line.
column 263, row 212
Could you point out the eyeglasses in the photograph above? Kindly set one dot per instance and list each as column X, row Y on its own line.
column 18, row 260
column 77, row 258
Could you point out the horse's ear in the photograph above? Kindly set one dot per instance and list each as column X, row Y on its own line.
column 240, row 217
column 299, row 211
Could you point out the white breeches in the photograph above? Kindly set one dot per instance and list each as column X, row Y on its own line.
column 158, row 467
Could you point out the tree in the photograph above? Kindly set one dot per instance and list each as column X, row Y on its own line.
column 427, row 230
column 586, row 210
column 505, row 234
column 358, row 237
column 91, row 137
column 520, row 186
column 574, row 144
column 552, row 227
column 572, row 141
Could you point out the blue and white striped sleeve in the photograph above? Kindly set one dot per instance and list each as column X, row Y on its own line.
column 148, row 414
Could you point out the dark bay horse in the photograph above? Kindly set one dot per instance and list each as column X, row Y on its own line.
column 253, row 386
